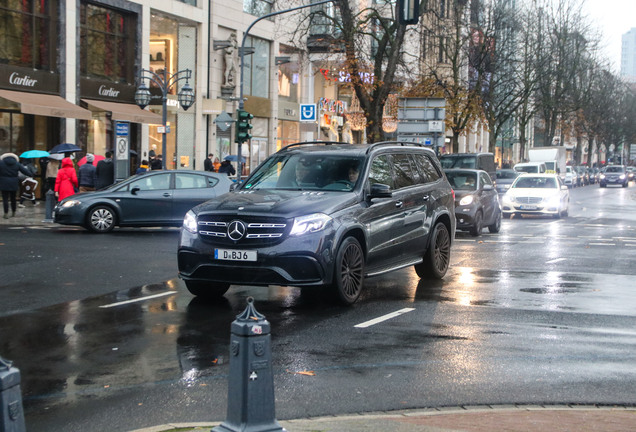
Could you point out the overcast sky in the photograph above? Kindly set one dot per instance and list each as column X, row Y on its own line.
column 613, row 18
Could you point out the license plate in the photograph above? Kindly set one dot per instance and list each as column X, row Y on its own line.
column 234, row 255
column 528, row 207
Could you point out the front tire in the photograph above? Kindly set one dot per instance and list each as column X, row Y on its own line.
column 437, row 257
column 207, row 290
column 349, row 271
column 496, row 226
column 101, row 219
column 478, row 225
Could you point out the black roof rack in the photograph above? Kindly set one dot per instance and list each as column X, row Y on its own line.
column 314, row 143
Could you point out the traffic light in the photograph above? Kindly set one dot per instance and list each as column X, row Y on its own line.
column 243, row 126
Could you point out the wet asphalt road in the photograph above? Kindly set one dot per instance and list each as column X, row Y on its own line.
column 542, row 312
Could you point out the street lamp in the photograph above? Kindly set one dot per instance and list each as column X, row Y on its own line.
column 165, row 83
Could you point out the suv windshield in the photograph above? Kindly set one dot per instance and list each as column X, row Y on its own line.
column 305, row 171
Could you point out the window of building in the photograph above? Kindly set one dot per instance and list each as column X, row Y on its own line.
column 106, row 43
column 256, row 68
column 289, row 78
column 28, row 33
column 257, row 8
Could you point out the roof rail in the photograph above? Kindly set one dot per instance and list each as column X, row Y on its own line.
column 400, row 143
column 313, row 143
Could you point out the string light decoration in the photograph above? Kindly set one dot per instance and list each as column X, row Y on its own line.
column 389, row 114
column 355, row 116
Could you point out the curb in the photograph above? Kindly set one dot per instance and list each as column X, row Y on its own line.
column 461, row 410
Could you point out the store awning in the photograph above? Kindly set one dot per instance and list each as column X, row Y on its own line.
column 125, row 112
column 46, row 105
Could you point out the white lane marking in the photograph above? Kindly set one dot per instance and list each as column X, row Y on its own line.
column 554, row 261
column 384, row 318
column 602, row 244
column 138, row 299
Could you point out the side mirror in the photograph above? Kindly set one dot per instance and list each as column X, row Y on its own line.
column 233, row 186
column 488, row 187
column 379, row 190
column 134, row 190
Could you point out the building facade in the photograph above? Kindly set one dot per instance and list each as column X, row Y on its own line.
column 628, row 55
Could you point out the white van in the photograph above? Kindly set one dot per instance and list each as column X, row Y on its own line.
column 531, row 167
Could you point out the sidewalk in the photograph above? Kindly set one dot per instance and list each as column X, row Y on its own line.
column 503, row 418
column 27, row 216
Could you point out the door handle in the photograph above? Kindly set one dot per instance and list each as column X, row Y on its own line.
column 167, row 194
column 426, row 197
column 399, row 204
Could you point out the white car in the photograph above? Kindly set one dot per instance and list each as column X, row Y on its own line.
column 542, row 194
column 571, row 177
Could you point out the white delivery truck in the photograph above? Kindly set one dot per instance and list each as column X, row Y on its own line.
column 553, row 157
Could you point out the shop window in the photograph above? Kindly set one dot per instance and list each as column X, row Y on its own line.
column 28, row 32
column 107, row 39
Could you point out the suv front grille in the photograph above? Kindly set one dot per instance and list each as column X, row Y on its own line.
column 258, row 230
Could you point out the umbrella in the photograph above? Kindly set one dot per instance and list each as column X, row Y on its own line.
column 65, row 148
column 82, row 161
column 232, row 158
column 56, row 156
column 32, row 154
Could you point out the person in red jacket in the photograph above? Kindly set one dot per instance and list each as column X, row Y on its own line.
column 66, row 180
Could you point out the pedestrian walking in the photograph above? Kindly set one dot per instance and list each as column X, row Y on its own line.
column 51, row 174
column 10, row 166
column 216, row 164
column 86, row 174
column 105, row 172
column 226, row 167
column 208, row 165
column 66, row 181
column 157, row 163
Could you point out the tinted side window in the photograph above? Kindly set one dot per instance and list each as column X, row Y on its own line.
column 403, row 173
column 485, row 179
column 426, row 167
column 381, row 171
column 192, row 181
column 156, row 182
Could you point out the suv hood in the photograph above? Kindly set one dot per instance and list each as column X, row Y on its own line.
column 278, row 202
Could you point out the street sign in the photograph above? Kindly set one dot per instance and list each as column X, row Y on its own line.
column 308, row 112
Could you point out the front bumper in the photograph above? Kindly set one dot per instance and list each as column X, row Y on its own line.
column 69, row 215
column 298, row 261
column 465, row 217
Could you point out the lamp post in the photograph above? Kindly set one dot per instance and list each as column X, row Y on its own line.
column 165, row 83
column 241, row 101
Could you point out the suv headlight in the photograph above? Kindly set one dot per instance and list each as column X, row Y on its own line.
column 310, row 223
column 190, row 222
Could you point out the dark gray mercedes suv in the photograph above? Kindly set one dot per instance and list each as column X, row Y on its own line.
column 323, row 214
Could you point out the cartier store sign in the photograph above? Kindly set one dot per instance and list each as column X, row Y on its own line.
column 26, row 79
column 107, row 91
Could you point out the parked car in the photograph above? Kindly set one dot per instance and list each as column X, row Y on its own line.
column 327, row 215
column 476, row 201
column 155, row 198
column 542, row 194
column 631, row 171
column 614, row 175
column 505, row 177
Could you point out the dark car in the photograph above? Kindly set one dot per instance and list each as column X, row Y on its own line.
column 614, row 175
column 476, row 201
column 505, row 177
column 323, row 214
column 480, row 161
column 155, row 198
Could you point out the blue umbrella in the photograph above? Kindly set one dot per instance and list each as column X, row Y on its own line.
column 31, row 154
column 232, row 158
column 65, row 148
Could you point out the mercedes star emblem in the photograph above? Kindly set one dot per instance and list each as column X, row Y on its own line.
column 236, row 230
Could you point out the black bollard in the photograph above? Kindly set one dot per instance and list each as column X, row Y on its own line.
column 250, row 401
column 12, row 418
column 50, row 205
